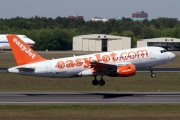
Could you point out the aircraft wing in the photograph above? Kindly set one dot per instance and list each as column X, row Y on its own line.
column 111, row 64
column 107, row 67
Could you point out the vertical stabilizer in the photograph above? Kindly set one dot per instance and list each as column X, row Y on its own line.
column 23, row 54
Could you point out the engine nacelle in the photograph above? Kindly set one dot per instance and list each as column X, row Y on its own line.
column 124, row 71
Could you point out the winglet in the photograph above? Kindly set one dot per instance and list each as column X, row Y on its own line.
column 23, row 54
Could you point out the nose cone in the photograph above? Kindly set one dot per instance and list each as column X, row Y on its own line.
column 173, row 56
column 30, row 42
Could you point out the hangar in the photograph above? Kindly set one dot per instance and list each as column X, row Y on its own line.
column 100, row 42
column 167, row 43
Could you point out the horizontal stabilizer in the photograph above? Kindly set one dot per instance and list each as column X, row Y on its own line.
column 26, row 69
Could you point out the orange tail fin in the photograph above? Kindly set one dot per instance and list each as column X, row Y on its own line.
column 23, row 54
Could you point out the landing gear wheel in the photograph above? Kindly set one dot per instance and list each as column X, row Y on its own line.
column 95, row 82
column 101, row 82
column 153, row 75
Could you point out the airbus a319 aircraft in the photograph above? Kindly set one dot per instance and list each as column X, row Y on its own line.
column 121, row 63
column 4, row 44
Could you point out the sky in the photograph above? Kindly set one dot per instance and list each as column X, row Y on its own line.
column 89, row 8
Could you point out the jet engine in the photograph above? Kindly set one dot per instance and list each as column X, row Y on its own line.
column 124, row 71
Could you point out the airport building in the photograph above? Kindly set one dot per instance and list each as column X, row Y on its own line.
column 140, row 14
column 100, row 42
column 167, row 43
column 76, row 17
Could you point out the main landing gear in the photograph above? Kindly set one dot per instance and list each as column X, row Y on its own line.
column 152, row 74
column 101, row 82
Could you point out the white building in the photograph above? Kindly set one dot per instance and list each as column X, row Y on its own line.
column 99, row 19
column 100, row 42
column 167, row 43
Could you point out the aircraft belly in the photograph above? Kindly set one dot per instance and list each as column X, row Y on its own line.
column 65, row 73
column 161, row 61
column 137, row 63
column 142, row 63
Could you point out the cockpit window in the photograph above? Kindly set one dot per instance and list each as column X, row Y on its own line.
column 163, row 51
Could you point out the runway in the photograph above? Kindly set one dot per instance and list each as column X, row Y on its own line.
column 90, row 98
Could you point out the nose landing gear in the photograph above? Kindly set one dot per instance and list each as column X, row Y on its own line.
column 152, row 74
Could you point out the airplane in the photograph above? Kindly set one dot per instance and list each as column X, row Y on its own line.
column 121, row 63
column 4, row 45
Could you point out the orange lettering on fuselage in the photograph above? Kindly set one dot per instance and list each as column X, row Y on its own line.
column 124, row 56
column 141, row 52
column 60, row 64
column 69, row 63
column 104, row 58
column 78, row 62
column 87, row 62
column 132, row 55
column 113, row 56
column 98, row 59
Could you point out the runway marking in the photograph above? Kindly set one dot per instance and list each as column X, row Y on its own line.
column 13, row 95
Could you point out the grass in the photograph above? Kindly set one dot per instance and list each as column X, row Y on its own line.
column 141, row 82
column 90, row 112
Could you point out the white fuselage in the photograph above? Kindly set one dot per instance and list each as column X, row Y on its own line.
column 74, row 66
column 4, row 44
